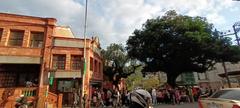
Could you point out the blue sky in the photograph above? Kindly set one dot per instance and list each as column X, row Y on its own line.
column 113, row 21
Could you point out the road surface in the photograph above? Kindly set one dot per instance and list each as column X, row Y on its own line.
column 185, row 105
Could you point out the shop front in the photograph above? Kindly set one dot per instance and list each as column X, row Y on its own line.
column 70, row 88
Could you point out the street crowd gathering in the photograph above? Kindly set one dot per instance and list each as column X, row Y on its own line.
column 166, row 95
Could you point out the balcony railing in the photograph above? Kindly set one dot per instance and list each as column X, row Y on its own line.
column 32, row 91
column 10, row 95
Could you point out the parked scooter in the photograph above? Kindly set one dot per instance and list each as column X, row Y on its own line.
column 22, row 102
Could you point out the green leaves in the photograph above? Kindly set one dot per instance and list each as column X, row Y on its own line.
column 117, row 63
column 177, row 43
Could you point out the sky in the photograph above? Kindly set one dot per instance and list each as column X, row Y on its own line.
column 113, row 21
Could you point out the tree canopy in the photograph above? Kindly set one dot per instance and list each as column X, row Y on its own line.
column 117, row 63
column 176, row 44
column 137, row 80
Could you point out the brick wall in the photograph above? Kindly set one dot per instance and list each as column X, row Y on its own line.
column 27, row 24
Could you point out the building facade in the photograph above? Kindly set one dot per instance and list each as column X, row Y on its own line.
column 214, row 78
column 34, row 49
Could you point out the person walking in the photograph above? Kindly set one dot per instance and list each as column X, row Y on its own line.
column 154, row 96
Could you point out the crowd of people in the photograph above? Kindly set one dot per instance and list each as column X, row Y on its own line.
column 179, row 95
column 107, row 97
column 165, row 95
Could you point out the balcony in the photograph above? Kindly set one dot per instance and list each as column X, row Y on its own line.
column 9, row 96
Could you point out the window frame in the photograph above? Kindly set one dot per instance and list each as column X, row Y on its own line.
column 91, row 63
column 15, row 40
column 1, row 33
column 75, row 62
column 36, row 42
column 58, row 62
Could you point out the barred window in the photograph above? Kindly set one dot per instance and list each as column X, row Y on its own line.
column 91, row 63
column 99, row 67
column 95, row 66
column 75, row 62
column 1, row 32
column 59, row 61
column 36, row 39
column 8, row 79
column 16, row 38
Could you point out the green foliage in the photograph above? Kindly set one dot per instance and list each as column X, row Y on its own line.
column 175, row 44
column 117, row 64
column 150, row 82
column 134, row 80
column 137, row 80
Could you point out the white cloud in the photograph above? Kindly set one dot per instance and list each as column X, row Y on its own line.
column 115, row 20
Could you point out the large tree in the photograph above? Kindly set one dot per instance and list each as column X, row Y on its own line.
column 117, row 64
column 175, row 44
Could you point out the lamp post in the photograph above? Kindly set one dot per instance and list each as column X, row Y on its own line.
column 83, row 94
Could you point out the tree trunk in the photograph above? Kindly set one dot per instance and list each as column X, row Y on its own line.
column 226, row 75
column 171, row 79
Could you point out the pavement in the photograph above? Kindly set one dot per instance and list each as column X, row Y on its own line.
column 184, row 105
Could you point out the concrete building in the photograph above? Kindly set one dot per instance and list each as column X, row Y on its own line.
column 215, row 78
column 32, row 49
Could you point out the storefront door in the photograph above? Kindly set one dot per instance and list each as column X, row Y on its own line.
column 68, row 89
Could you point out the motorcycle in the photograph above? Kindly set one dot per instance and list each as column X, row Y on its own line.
column 22, row 102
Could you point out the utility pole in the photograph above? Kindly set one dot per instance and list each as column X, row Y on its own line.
column 83, row 94
column 226, row 75
column 236, row 28
column 224, row 65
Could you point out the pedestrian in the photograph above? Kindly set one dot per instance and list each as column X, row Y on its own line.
column 159, row 97
column 177, row 95
column 94, row 99
column 109, row 98
column 154, row 96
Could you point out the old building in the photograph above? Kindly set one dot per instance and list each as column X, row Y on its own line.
column 215, row 77
column 33, row 49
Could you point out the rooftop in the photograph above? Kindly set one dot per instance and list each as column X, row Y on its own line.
column 63, row 31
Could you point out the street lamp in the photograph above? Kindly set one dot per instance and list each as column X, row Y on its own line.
column 83, row 94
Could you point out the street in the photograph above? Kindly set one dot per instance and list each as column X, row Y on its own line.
column 186, row 105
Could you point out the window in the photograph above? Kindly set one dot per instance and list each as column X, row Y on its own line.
column 75, row 62
column 65, row 86
column 1, row 32
column 95, row 66
column 36, row 39
column 15, row 38
column 8, row 79
column 202, row 76
column 227, row 94
column 91, row 64
column 59, row 61
column 99, row 67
